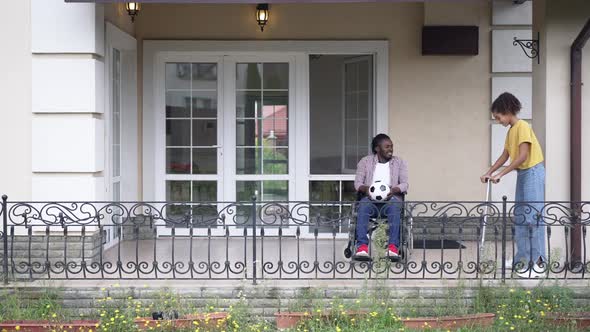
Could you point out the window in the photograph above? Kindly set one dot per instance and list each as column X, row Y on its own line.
column 341, row 113
column 116, row 125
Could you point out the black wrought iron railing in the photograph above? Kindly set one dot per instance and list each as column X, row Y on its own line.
column 287, row 240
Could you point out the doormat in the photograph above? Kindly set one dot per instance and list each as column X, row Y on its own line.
column 438, row 244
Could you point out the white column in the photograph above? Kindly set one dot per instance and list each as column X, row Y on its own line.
column 67, row 43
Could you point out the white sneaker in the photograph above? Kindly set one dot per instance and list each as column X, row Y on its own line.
column 535, row 272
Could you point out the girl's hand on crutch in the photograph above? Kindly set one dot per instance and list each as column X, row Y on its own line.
column 490, row 178
column 484, row 178
column 496, row 178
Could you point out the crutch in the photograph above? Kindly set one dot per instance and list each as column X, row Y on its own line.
column 485, row 217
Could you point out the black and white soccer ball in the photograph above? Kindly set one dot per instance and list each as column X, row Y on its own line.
column 378, row 191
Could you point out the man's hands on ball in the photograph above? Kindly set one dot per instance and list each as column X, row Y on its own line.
column 393, row 191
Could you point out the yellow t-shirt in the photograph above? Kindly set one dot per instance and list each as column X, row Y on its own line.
column 520, row 133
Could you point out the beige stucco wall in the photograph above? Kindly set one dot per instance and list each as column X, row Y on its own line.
column 15, row 94
column 559, row 27
column 439, row 115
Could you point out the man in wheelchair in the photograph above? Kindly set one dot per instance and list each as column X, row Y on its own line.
column 382, row 166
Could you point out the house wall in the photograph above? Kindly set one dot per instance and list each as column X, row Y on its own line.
column 15, row 94
column 559, row 25
column 562, row 25
column 34, row 116
column 439, row 118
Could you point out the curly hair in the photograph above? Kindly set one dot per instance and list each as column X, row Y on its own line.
column 506, row 103
column 377, row 140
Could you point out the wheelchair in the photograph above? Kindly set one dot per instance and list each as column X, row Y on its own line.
column 405, row 229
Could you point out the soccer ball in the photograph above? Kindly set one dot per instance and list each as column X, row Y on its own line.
column 378, row 191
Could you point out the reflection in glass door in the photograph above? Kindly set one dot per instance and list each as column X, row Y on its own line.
column 262, row 131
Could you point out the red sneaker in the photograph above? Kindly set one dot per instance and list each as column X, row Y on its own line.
column 362, row 252
column 392, row 251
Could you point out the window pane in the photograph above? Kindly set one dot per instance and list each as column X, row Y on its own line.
column 204, row 104
column 178, row 76
column 178, row 191
column 248, row 104
column 324, row 191
column 116, row 160
column 276, row 103
column 178, row 161
column 116, row 191
column 204, row 132
column 267, row 190
column 248, row 160
column 247, row 133
column 276, row 76
column 204, row 191
column 204, row 76
column 275, row 132
column 246, row 189
column 204, row 161
column 248, row 76
column 276, row 160
column 348, row 191
column 178, row 132
column 116, row 117
column 275, row 191
column 178, row 104
column 338, row 100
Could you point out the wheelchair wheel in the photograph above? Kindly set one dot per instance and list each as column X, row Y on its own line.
column 347, row 252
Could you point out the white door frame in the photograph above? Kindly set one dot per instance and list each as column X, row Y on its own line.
column 128, row 180
column 157, row 52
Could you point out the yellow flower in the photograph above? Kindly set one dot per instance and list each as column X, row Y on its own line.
column 54, row 315
column 17, row 328
column 511, row 327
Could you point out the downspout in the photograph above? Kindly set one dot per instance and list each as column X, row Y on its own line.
column 576, row 142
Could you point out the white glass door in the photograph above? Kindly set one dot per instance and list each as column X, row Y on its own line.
column 259, row 99
column 192, row 144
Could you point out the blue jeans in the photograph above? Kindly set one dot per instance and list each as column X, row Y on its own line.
column 528, row 214
column 368, row 209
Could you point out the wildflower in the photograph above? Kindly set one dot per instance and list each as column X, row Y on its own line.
column 17, row 328
column 512, row 328
column 511, row 290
